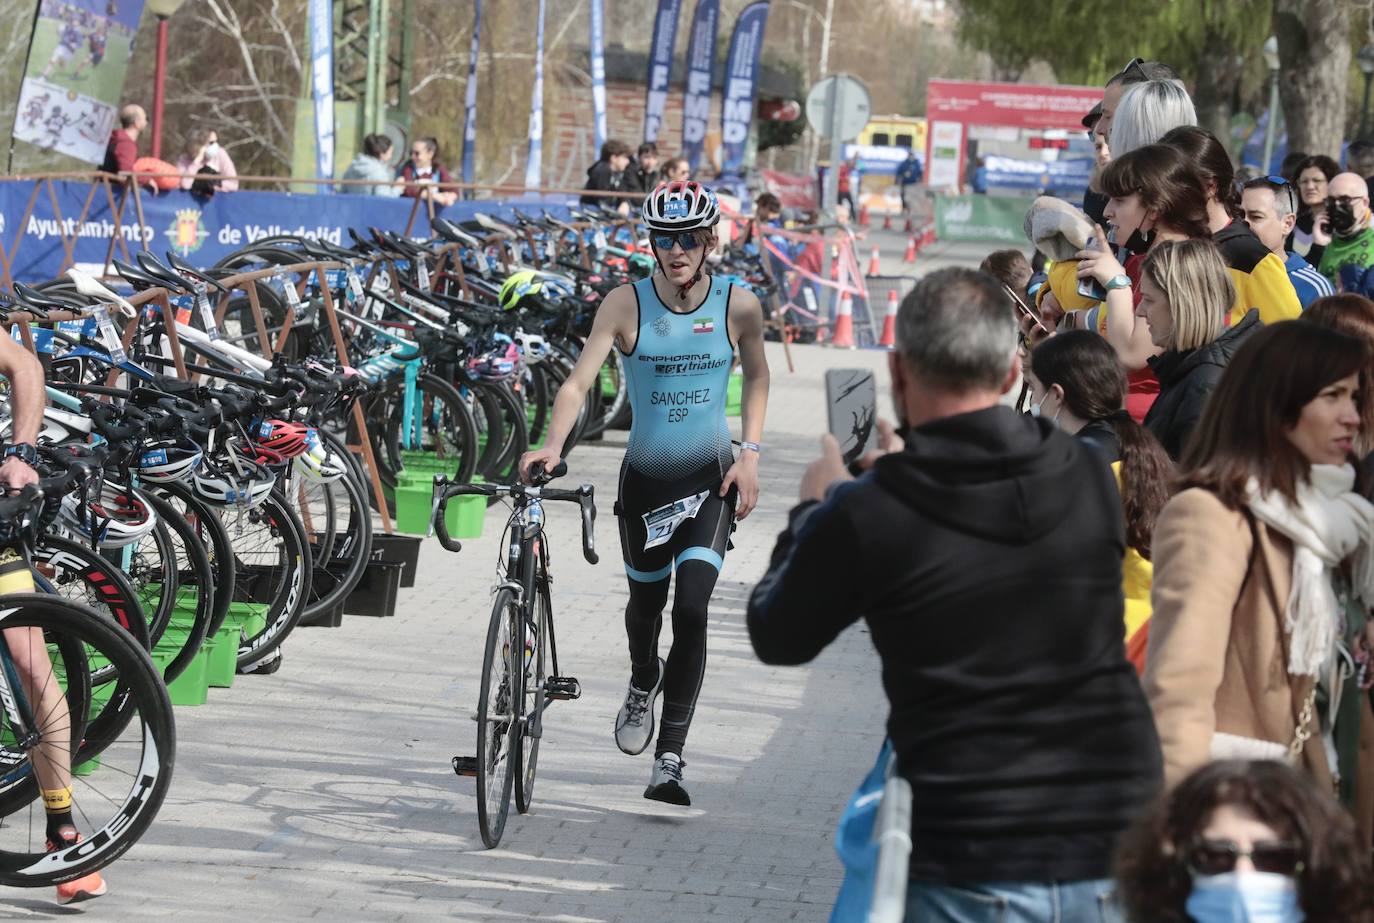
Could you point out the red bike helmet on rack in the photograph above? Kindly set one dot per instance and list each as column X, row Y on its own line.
column 286, row 438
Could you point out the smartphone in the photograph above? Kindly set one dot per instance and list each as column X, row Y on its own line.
column 1024, row 308
column 1089, row 287
column 851, row 403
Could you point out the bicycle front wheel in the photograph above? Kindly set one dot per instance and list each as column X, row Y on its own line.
column 498, row 716
column 114, row 797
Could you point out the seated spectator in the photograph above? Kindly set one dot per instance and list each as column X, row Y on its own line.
column 608, row 174
column 1269, row 205
column 1350, row 252
column 1264, row 573
column 1077, row 382
column 1185, row 291
column 373, row 162
column 1352, row 315
column 1147, row 112
column 211, row 165
column 422, row 170
column 1312, row 232
column 984, row 553
column 676, row 170
column 122, row 150
column 1261, row 281
column 1010, row 267
column 1245, row 840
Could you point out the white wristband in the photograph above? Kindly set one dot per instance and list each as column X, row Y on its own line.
column 751, row 446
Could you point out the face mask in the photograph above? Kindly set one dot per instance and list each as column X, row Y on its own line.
column 1342, row 217
column 1140, row 241
column 211, row 149
column 1035, row 410
column 1257, row 897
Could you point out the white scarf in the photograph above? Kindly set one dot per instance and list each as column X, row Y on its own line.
column 1328, row 524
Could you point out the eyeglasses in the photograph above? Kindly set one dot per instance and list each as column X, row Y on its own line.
column 686, row 239
column 1218, row 857
column 1343, row 200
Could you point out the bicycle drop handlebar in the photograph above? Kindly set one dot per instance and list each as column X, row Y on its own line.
column 583, row 496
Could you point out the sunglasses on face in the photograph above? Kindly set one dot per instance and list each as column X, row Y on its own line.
column 664, row 241
column 1218, row 857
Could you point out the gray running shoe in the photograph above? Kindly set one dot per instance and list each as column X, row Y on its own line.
column 665, row 783
column 634, row 725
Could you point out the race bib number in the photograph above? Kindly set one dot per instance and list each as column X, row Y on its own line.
column 422, row 274
column 483, row 266
column 293, row 297
column 550, row 250
column 109, row 335
column 207, row 314
column 599, row 239
column 355, row 284
column 661, row 524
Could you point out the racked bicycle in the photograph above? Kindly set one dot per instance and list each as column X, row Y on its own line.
column 516, row 685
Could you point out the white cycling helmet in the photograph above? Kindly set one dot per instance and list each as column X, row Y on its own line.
column 680, row 206
column 113, row 519
column 169, row 462
column 320, row 465
column 233, row 480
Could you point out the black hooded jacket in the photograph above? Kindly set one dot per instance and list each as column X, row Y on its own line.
column 986, row 560
column 1186, row 379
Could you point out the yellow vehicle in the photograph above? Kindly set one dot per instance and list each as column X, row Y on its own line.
column 895, row 131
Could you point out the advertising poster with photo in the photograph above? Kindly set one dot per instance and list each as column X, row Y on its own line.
column 77, row 60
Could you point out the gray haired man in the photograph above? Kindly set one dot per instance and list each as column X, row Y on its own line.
column 984, row 553
column 1270, row 207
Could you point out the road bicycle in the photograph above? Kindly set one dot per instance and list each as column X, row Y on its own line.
column 516, row 686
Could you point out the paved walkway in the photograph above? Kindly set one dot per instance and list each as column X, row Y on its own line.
column 325, row 790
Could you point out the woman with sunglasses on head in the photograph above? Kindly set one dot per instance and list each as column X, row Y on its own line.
column 1264, row 572
column 681, row 486
column 1245, row 841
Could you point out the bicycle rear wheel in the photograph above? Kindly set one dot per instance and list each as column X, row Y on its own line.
column 532, row 727
column 112, row 803
column 498, row 716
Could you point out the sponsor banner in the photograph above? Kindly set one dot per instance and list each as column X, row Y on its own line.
column 879, row 160
column 741, row 81
column 322, row 85
column 1019, row 105
column 660, row 66
column 793, row 190
column 981, row 218
column 701, row 63
column 1013, row 173
column 946, row 154
column 74, row 79
column 597, row 32
column 204, row 231
column 470, row 101
column 532, row 162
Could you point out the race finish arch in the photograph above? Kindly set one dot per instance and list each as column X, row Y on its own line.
column 952, row 108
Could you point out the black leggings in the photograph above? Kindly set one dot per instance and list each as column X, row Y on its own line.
column 695, row 552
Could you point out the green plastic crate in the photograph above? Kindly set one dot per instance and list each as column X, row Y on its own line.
column 734, row 395
column 192, row 686
column 224, row 656
column 414, row 501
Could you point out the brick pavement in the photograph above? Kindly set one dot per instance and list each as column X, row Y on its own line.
column 325, row 790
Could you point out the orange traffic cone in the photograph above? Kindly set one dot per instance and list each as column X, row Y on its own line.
column 844, row 324
column 887, row 222
column 863, row 215
column 874, row 264
column 910, row 255
column 929, row 237
column 889, row 337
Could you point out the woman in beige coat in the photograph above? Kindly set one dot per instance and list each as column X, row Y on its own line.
column 1264, row 573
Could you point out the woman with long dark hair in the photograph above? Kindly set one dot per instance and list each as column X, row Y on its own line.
column 1076, row 380
column 1311, row 234
column 1264, row 572
column 1241, row 840
column 1260, row 277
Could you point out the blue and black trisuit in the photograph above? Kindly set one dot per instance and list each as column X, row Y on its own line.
column 671, row 514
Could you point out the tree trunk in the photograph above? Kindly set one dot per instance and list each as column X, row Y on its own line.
column 1314, row 63
column 1218, row 73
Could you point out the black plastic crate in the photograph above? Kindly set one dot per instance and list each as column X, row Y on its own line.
column 398, row 549
column 376, row 592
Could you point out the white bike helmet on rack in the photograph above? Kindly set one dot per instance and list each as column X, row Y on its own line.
column 320, row 465
column 169, row 462
column 116, row 517
column 233, row 480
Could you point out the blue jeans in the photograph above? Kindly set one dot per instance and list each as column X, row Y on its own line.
column 1013, row 902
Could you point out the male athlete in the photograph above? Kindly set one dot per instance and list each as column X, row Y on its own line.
column 680, row 483
column 51, row 758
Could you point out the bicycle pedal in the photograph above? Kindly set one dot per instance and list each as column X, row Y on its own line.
column 465, row 765
column 562, row 688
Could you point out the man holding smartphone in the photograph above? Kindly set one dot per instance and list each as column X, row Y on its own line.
column 681, row 485
column 984, row 553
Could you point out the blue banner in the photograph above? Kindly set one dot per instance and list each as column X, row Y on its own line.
column 701, row 62
column 598, row 40
column 741, row 80
column 1055, row 176
column 660, row 66
column 470, row 103
column 322, row 81
column 536, row 107
column 205, row 231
